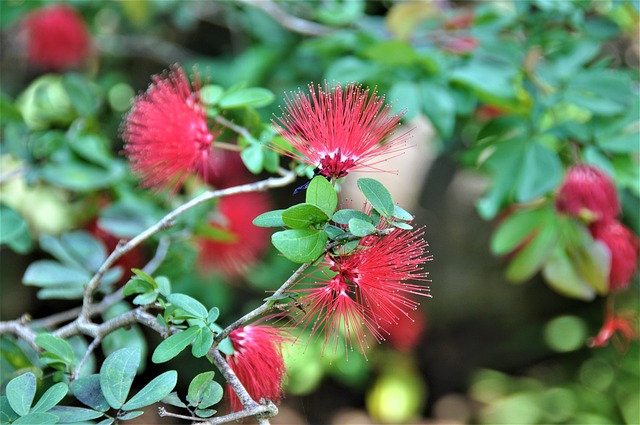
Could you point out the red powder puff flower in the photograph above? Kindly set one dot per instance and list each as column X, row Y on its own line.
column 338, row 130
column 242, row 244
column 165, row 132
column 257, row 362
column 369, row 291
column 622, row 244
column 57, row 38
column 588, row 193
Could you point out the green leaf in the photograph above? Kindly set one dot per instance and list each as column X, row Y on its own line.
column 20, row 393
column 14, row 230
column 172, row 346
column 82, row 94
column 174, row 400
column 190, row 305
column 377, row 195
column 253, row 158
column 205, row 413
column 360, row 227
column 303, row 216
column 269, row 219
column 322, row 194
column 334, row 231
column 251, row 96
column 405, row 95
column 51, row 273
column 534, row 254
column 542, row 172
column 202, row 343
column 401, row 214
column 144, row 299
column 87, row 389
column 211, row 94
column 438, row 104
column 300, row 245
column 39, row 418
column 107, row 421
column 57, row 346
column 343, row 216
column 76, row 249
column 7, row 415
column 116, row 375
column 392, row 52
column 83, row 177
column 154, row 391
column 204, row 391
column 137, row 286
column 51, row 397
column 517, row 227
column 70, row 414
column 561, row 275
column 164, row 285
column 401, row 225
column 213, row 314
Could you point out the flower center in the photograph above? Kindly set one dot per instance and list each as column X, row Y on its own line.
column 335, row 165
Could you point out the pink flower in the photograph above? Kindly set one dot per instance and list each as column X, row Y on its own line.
column 244, row 243
column 338, row 130
column 165, row 132
column 622, row 244
column 257, row 362
column 369, row 291
column 57, row 38
column 588, row 193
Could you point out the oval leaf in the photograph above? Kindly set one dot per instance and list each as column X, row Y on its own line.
column 322, row 194
column 172, row 346
column 302, row 216
column 300, row 245
column 202, row 343
column 188, row 304
column 52, row 273
column 20, row 393
column 87, row 389
column 360, row 227
column 70, row 414
column 116, row 375
column 343, row 216
column 269, row 219
column 57, row 346
column 51, row 397
column 251, row 96
column 39, row 418
column 377, row 195
column 154, row 391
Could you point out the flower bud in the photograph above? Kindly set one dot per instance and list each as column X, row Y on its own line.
column 622, row 244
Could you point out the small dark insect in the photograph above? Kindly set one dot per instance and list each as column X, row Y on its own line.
column 302, row 187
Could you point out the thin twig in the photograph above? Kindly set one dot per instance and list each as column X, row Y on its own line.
column 233, row 126
column 90, row 348
column 251, row 407
column 15, row 172
column 293, row 23
column 21, row 329
column 265, row 307
column 286, row 178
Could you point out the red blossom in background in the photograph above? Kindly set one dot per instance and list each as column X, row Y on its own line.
column 340, row 130
column 622, row 245
column 588, row 193
column 245, row 243
column 614, row 324
column 226, row 169
column 166, row 134
column 57, row 38
column 257, row 362
column 370, row 290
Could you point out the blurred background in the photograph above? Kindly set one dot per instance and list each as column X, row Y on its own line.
column 561, row 76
